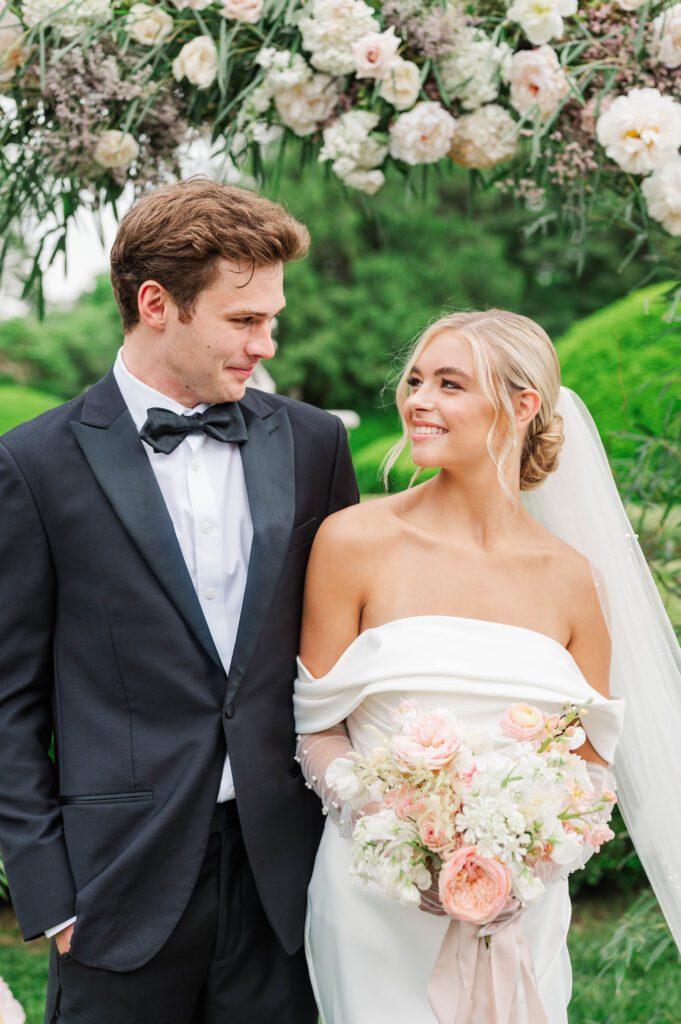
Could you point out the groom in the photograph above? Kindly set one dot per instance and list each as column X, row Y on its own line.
column 154, row 534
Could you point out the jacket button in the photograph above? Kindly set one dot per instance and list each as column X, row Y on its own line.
column 229, row 711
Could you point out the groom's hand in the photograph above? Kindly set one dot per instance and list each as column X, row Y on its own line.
column 63, row 939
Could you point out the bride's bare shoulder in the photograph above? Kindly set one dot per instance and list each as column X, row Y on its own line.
column 359, row 526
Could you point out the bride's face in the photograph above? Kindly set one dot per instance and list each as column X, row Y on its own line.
column 447, row 414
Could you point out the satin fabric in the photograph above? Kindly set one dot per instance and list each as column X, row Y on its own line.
column 370, row 958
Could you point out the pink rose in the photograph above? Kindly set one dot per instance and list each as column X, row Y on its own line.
column 431, row 836
column 472, row 887
column 523, row 722
column 428, row 741
column 405, row 802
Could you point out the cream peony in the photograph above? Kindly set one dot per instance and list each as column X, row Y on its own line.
column 473, row 71
column 537, row 80
column 402, row 85
column 148, row 25
column 116, row 150
column 330, row 29
column 640, row 131
column 71, row 18
column 13, row 53
column 666, row 42
column 541, row 20
column 303, row 108
column 248, row 11
column 197, row 61
column 423, row 135
column 376, row 53
column 484, row 138
column 662, row 193
column 11, row 1011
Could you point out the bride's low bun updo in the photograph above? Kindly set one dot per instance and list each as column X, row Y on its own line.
column 512, row 354
column 540, row 453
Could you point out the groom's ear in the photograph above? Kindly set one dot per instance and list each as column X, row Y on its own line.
column 153, row 302
column 527, row 405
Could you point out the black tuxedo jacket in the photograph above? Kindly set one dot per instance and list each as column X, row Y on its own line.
column 103, row 644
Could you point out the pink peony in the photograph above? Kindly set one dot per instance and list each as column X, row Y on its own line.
column 523, row 722
column 428, row 741
column 472, row 887
column 405, row 802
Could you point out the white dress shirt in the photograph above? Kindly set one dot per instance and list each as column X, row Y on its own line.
column 203, row 485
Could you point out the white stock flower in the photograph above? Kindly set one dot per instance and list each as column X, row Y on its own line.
column 148, row 25
column 284, row 69
column 116, row 149
column 349, row 137
column 666, row 42
column 662, row 193
column 71, row 18
column 247, row 11
column 537, row 80
column 302, row 108
column 641, row 130
column 527, row 886
column 329, row 30
column 194, row 5
column 402, row 85
column 473, row 70
column 541, row 20
column 423, row 135
column 197, row 61
column 376, row 53
column 13, row 53
column 344, row 781
column 567, row 849
column 486, row 137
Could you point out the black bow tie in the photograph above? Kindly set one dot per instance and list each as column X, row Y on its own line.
column 165, row 430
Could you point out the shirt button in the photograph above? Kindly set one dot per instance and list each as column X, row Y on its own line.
column 211, row 593
column 206, row 526
column 195, row 467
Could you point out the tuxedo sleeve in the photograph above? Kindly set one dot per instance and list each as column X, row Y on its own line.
column 344, row 490
column 31, row 831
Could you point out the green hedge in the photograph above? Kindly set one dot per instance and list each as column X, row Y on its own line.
column 18, row 404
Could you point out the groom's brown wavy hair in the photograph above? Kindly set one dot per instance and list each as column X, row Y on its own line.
column 178, row 234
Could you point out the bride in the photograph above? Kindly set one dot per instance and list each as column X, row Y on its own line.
column 453, row 594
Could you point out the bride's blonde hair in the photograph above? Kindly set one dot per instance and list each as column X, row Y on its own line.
column 511, row 353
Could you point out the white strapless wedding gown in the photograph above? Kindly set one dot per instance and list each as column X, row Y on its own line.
column 370, row 958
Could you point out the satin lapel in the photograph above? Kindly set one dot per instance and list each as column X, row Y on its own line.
column 118, row 460
column 270, row 481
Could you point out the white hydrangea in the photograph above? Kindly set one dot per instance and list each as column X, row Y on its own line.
column 355, row 152
column 641, row 130
column 304, row 107
column 402, row 85
column 542, row 20
column 537, row 81
column 662, row 193
column 70, row 18
column 473, row 70
column 423, row 135
column 484, row 138
column 284, row 69
column 666, row 42
column 329, row 30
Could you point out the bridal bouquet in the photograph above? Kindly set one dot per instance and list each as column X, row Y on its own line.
column 485, row 823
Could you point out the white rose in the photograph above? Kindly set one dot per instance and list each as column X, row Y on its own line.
column 402, row 85
column 12, row 51
column 640, row 131
column 537, row 80
column 70, row 18
column 248, row 11
column 541, row 20
column 302, row 108
column 365, row 181
column 148, row 25
column 662, row 193
column 486, row 137
column 194, row 5
column 116, row 149
column 376, row 53
column 197, row 61
column 666, row 43
column 329, row 30
column 473, row 70
column 423, row 135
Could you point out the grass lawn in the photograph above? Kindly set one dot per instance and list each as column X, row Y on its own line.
column 650, row 993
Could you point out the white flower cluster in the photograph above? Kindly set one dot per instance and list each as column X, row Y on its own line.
column 329, row 30
column 71, row 18
column 542, row 20
column 383, row 853
column 486, row 137
column 473, row 72
column 355, row 151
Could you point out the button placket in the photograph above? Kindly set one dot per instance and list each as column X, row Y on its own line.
column 206, row 534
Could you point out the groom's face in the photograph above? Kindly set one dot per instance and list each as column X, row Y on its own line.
column 230, row 331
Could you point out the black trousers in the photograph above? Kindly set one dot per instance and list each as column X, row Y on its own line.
column 222, row 964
